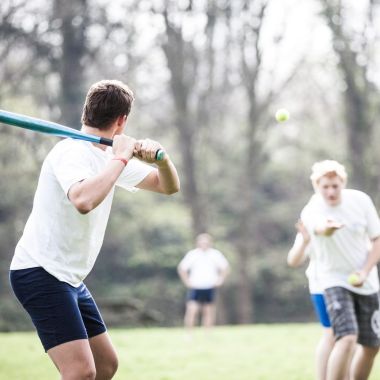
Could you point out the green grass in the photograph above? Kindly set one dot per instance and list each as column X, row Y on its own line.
column 259, row 352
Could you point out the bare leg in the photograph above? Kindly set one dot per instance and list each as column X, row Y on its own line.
column 323, row 350
column 74, row 360
column 105, row 357
column 208, row 315
column 362, row 362
column 192, row 309
column 340, row 357
column 347, row 377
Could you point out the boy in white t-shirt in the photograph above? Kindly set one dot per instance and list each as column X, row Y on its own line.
column 202, row 270
column 344, row 228
column 65, row 230
column 297, row 255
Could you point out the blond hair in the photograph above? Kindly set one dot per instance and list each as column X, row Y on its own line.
column 327, row 168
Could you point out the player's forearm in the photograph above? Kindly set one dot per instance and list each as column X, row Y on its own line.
column 223, row 274
column 168, row 177
column 89, row 193
column 296, row 255
column 184, row 276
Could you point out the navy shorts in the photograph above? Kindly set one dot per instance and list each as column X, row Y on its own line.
column 60, row 312
column 201, row 295
column 320, row 309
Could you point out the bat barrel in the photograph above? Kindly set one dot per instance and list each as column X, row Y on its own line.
column 43, row 126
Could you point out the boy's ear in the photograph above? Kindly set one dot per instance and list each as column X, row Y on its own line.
column 120, row 124
column 121, row 120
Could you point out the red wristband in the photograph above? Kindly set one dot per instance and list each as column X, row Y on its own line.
column 123, row 160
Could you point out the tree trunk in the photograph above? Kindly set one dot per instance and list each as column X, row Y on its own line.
column 71, row 69
column 359, row 110
column 180, row 56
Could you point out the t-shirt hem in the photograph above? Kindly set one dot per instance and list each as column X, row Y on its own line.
column 353, row 289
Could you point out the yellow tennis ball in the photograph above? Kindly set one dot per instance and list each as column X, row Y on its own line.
column 353, row 279
column 282, row 115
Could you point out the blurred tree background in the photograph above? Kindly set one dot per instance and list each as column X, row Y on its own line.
column 208, row 77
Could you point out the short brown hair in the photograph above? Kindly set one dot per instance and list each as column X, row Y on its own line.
column 105, row 102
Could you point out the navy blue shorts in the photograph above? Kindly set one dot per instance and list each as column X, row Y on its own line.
column 201, row 295
column 60, row 312
column 318, row 301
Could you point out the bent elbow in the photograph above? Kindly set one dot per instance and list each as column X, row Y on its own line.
column 173, row 190
column 79, row 201
column 83, row 210
column 291, row 263
column 83, row 207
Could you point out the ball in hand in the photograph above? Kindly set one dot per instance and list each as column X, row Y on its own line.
column 282, row 115
column 353, row 279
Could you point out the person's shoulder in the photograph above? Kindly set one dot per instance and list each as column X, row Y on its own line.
column 76, row 149
column 218, row 257
column 68, row 144
column 192, row 252
column 191, row 256
column 358, row 195
column 315, row 198
column 312, row 202
column 215, row 252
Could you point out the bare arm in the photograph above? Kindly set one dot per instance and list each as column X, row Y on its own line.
column 89, row 193
column 297, row 254
column 184, row 276
column 223, row 273
column 165, row 180
column 372, row 260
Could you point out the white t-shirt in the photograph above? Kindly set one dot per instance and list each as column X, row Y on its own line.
column 56, row 236
column 203, row 267
column 346, row 250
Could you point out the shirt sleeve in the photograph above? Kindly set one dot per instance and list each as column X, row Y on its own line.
column 221, row 261
column 133, row 174
column 186, row 262
column 373, row 222
column 70, row 166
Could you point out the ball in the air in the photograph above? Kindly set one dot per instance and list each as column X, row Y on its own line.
column 353, row 279
column 282, row 115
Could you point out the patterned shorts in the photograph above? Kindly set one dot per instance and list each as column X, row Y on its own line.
column 354, row 314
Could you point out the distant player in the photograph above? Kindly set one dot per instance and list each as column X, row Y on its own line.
column 65, row 230
column 202, row 270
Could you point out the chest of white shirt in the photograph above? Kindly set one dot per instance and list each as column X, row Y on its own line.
column 351, row 216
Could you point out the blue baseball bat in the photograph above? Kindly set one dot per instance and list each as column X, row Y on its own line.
column 55, row 129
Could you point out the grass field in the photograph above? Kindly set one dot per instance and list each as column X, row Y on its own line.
column 259, row 352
